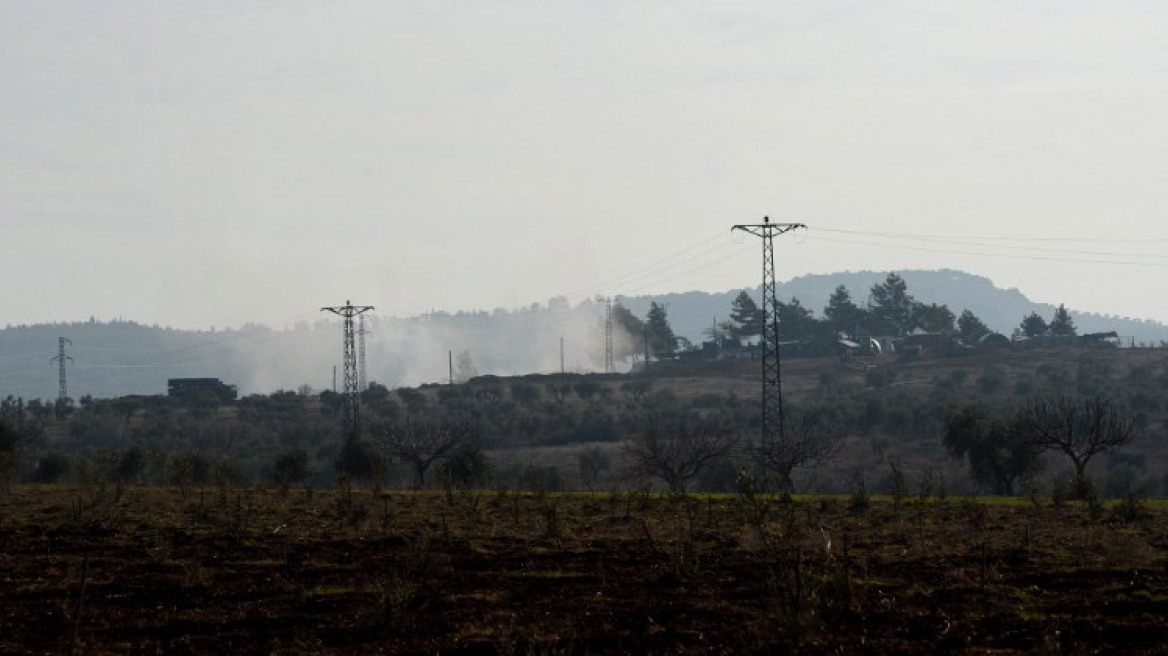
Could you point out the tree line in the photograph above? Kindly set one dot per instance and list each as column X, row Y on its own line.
column 889, row 311
column 631, row 428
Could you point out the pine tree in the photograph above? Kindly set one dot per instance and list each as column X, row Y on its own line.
column 1062, row 325
column 629, row 331
column 746, row 316
column 933, row 318
column 892, row 306
column 842, row 314
column 1033, row 325
column 661, row 337
column 795, row 321
column 971, row 327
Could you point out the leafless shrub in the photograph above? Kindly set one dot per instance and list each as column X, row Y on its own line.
column 592, row 463
column 677, row 448
column 421, row 444
column 898, row 488
column 803, row 442
column 402, row 584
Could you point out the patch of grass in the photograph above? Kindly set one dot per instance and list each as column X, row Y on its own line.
column 336, row 591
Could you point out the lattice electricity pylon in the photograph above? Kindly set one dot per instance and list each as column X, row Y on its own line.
column 772, row 386
column 362, row 381
column 62, row 387
column 352, row 393
column 609, row 363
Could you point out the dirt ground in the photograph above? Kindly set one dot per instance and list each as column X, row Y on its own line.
column 229, row 571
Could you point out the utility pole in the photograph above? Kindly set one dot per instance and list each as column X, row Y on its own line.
column 609, row 365
column 772, row 390
column 450, row 361
column 352, row 393
column 62, row 387
column 562, row 369
column 362, row 381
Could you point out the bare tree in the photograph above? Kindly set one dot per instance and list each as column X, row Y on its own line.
column 676, row 449
column 421, row 444
column 592, row 463
column 1081, row 429
column 804, row 442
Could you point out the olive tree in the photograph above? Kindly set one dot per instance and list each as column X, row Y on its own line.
column 22, row 430
column 999, row 453
column 358, row 460
column 292, row 467
column 9, row 442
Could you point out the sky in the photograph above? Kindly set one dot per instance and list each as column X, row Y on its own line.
column 217, row 163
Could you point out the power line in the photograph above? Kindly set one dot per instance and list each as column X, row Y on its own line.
column 687, row 272
column 1007, row 256
column 651, row 268
column 1092, row 240
column 685, row 265
column 116, row 366
column 658, row 267
column 991, row 242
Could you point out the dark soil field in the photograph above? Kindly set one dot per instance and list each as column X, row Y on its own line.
column 230, row 571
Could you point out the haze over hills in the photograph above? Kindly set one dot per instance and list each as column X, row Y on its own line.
column 1001, row 309
column 123, row 357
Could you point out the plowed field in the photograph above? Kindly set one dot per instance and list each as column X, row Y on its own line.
column 226, row 571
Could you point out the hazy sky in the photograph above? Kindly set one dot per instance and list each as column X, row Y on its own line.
column 212, row 163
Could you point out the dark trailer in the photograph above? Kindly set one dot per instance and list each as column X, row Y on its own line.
column 186, row 388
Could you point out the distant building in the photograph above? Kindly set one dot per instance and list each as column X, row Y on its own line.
column 187, row 388
column 858, row 346
column 925, row 341
column 1108, row 338
column 993, row 340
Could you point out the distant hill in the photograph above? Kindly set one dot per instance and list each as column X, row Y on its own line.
column 123, row 357
column 1001, row 309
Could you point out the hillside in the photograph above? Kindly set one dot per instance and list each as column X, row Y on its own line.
column 124, row 357
column 1001, row 309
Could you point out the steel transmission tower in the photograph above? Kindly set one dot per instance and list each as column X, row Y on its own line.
column 62, row 386
column 352, row 392
column 609, row 365
column 362, row 381
column 772, row 389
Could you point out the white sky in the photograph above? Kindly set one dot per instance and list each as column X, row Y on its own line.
column 213, row 163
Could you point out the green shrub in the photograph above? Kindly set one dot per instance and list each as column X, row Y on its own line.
column 51, row 468
column 991, row 379
column 880, row 377
column 292, row 467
